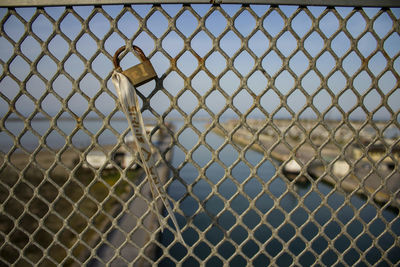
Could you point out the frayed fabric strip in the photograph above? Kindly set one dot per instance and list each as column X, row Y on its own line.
column 130, row 106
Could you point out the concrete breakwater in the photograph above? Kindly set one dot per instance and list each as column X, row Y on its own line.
column 51, row 193
column 140, row 229
column 335, row 163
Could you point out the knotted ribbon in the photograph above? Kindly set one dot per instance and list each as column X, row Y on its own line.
column 130, row 106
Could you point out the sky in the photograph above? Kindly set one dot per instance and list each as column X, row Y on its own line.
column 186, row 39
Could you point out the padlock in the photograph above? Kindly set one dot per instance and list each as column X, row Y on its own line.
column 138, row 74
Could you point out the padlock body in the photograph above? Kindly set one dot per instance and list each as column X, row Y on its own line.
column 140, row 73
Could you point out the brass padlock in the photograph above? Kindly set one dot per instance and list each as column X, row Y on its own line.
column 138, row 74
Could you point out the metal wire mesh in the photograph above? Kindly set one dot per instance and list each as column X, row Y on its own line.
column 316, row 88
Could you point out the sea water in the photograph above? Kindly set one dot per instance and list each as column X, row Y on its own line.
column 243, row 216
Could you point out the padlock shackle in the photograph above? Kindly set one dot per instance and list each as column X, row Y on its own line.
column 137, row 51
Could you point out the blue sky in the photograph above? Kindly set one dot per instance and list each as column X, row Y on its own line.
column 260, row 34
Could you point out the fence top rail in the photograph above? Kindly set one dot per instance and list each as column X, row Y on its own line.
column 355, row 3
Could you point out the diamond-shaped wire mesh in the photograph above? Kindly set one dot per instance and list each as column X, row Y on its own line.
column 276, row 129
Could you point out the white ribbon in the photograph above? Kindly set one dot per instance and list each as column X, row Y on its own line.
column 130, row 106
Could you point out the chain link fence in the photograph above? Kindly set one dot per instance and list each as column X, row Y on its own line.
column 276, row 130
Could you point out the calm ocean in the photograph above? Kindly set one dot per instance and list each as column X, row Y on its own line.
column 303, row 220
